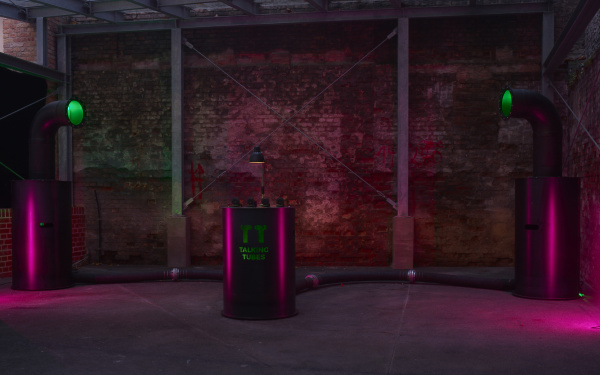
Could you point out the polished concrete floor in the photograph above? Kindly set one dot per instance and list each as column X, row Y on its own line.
column 365, row 328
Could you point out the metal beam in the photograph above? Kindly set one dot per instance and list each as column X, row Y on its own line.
column 41, row 42
column 580, row 19
column 246, row 6
column 79, row 7
column 312, row 17
column 396, row 3
column 176, row 122
column 112, row 6
column 12, row 12
column 172, row 11
column 33, row 69
column 65, row 133
column 45, row 11
column 320, row 5
column 402, row 115
column 547, row 44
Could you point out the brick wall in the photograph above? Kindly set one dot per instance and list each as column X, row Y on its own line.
column 122, row 157
column 19, row 39
column 463, row 158
column 583, row 160
column 5, row 243
column 78, row 238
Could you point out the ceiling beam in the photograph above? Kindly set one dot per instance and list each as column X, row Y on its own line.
column 113, row 6
column 12, row 12
column 45, row 12
column 79, row 7
column 396, row 3
column 11, row 62
column 580, row 19
column 319, row 5
column 171, row 11
column 246, row 6
column 297, row 18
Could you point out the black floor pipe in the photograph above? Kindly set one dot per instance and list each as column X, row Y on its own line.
column 84, row 276
column 305, row 283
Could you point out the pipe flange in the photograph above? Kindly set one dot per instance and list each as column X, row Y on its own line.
column 412, row 276
column 175, row 274
column 313, row 279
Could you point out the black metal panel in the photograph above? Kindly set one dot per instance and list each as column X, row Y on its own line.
column 547, row 238
column 41, row 234
column 259, row 263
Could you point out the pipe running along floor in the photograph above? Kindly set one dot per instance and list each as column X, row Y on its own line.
column 367, row 328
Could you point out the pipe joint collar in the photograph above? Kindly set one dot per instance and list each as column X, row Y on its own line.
column 412, row 276
column 175, row 274
column 312, row 279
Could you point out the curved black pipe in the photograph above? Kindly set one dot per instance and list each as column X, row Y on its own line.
column 411, row 276
column 546, row 124
column 44, row 126
column 306, row 283
column 104, row 276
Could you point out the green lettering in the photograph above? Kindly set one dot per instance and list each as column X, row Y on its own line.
column 245, row 229
column 261, row 232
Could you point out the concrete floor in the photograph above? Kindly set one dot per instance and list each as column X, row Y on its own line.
column 369, row 328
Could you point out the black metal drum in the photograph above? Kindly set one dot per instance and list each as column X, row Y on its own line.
column 41, row 235
column 259, row 263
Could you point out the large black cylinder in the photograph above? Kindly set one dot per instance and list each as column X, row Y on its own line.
column 259, row 263
column 547, row 237
column 41, row 235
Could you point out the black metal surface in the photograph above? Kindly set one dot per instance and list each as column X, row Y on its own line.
column 259, row 263
column 42, row 135
column 547, row 130
column 547, row 238
column 41, row 234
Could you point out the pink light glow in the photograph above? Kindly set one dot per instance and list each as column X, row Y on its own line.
column 228, row 254
column 31, row 245
column 282, row 253
column 552, row 238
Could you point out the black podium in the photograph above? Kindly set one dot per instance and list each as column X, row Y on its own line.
column 259, row 263
column 547, row 237
column 41, row 234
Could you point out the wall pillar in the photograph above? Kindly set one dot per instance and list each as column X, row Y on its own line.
column 178, row 226
column 178, row 241
column 403, row 236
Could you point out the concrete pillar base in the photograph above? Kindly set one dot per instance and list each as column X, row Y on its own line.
column 403, row 242
column 178, row 241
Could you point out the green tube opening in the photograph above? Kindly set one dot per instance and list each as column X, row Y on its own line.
column 506, row 104
column 75, row 112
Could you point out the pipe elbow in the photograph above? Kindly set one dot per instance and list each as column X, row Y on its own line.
column 545, row 123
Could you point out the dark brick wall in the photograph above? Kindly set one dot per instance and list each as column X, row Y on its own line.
column 583, row 161
column 463, row 158
column 340, row 220
column 122, row 166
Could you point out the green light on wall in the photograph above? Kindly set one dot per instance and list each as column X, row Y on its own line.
column 75, row 113
column 506, row 104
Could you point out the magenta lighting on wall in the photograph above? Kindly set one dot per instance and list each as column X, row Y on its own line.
column 41, row 206
column 546, row 206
